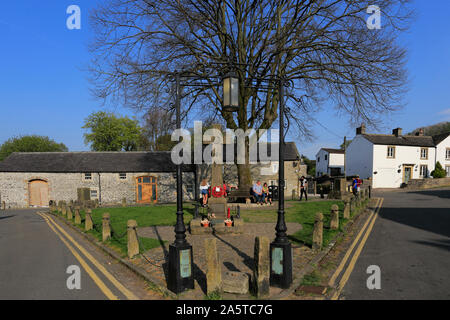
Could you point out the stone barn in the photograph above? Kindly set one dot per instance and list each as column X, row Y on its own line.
column 33, row 179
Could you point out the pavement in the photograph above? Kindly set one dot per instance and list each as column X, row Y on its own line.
column 410, row 243
column 36, row 251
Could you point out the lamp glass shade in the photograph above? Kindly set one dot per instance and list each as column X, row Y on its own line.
column 230, row 92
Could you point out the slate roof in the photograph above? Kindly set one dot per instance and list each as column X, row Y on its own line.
column 73, row 162
column 440, row 137
column 89, row 162
column 329, row 150
column 389, row 139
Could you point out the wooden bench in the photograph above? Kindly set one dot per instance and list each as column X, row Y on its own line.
column 245, row 193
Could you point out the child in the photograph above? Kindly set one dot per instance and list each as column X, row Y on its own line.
column 204, row 186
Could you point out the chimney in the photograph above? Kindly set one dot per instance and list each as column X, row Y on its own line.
column 361, row 130
column 420, row 132
column 397, row 132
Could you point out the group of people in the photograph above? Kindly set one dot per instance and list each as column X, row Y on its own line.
column 205, row 191
column 261, row 193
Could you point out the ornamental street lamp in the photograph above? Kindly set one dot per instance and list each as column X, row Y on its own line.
column 230, row 92
column 280, row 248
column 180, row 275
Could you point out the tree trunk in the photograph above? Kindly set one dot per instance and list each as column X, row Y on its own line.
column 244, row 176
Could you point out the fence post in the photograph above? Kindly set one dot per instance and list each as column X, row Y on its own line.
column 318, row 231
column 69, row 213
column 346, row 209
column 4, row 205
column 213, row 273
column 334, row 223
column 132, row 243
column 106, row 227
column 64, row 210
column 261, row 271
column 124, row 202
column 77, row 215
column 88, row 224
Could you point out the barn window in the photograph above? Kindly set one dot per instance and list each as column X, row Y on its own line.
column 94, row 194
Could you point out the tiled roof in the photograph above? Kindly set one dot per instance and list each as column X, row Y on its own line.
column 440, row 137
column 329, row 150
column 159, row 161
column 389, row 139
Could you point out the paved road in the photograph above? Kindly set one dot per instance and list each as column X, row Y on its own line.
column 34, row 261
column 410, row 242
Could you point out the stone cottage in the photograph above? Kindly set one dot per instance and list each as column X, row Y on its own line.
column 33, row 179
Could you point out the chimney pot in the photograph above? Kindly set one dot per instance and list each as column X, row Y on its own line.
column 397, row 132
column 361, row 130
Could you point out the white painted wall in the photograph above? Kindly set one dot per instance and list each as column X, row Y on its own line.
column 440, row 152
column 387, row 169
column 322, row 165
column 359, row 158
column 336, row 161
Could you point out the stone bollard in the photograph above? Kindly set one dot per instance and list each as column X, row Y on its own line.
column 106, row 227
column 213, row 272
column 334, row 223
column 77, row 216
column 124, row 202
column 88, row 224
column 64, row 210
column 60, row 206
column 294, row 195
column 261, row 273
column 69, row 213
column 132, row 242
column 96, row 204
column 346, row 209
column 318, row 231
column 3, row 205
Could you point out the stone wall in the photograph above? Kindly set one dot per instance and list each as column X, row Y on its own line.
column 111, row 189
column 428, row 183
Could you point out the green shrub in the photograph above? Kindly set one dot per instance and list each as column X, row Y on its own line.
column 438, row 172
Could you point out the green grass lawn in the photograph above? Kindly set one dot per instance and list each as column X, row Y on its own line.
column 165, row 215
column 303, row 213
column 157, row 215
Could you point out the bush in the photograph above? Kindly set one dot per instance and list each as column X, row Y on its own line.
column 438, row 172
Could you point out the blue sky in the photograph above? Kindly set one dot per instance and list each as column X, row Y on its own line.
column 45, row 91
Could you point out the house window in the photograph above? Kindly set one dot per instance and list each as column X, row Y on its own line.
column 94, row 194
column 447, row 154
column 391, row 152
column 318, row 159
column 326, row 157
column 88, row 176
column 447, row 170
column 423, row 171
column 424, row 153
column 122, row 176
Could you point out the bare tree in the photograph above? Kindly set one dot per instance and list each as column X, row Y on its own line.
column 323, row 47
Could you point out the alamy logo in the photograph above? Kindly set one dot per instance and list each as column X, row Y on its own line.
column 374, row 21
column 74, row 280
column 374, row 280
column 213, row 147
column 74, row 20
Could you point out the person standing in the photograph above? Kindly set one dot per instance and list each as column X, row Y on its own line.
column 303, row 188
column 204, row 186
column 355, row 186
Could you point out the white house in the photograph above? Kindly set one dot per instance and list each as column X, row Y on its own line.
column 330, row 162
column 391, row 160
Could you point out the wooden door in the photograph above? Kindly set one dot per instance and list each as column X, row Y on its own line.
column 38, row 193
column 407, row 174
column 146, row 189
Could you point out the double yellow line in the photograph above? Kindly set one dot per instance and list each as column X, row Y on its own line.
column 367, row 228
column 102, row 286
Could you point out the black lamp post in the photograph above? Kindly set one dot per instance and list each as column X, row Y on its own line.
column 280, row 248
column 180, row 275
